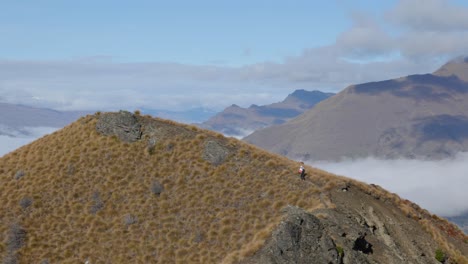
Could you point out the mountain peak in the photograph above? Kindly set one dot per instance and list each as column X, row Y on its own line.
column 301, row 93
column 176, row 193
column 457, row 67
column 309, row 97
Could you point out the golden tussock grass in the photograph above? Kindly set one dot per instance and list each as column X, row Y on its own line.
column 92, row 196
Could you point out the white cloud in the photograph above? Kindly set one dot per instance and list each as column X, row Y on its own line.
column 430, row 15
column 446, row 44
column 438, row 186
column 414, row 37
column 365, row 39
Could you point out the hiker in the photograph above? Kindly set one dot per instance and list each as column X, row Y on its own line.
column 302, row 171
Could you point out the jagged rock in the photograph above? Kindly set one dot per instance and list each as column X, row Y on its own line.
column 361, row 244
column 214, row 152
column 370, row 231
column 299, row 238
column 122, row 124
column 359, row 228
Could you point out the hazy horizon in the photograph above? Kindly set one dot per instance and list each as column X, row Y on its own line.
column 104, row 55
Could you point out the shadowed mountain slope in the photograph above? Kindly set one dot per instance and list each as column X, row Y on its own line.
column 13, row 115
column 124, row 188
column 238, row 121
column 422, row 116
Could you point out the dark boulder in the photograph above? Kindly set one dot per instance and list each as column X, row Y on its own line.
column 299, row 238
column 123, row 124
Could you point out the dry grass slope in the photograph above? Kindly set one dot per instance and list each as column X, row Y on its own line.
column 76, row 195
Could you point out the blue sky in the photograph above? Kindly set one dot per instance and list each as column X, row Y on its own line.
column 176, row 55
column 194, row 32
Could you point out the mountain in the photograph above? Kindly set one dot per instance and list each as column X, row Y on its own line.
column 418, row 116
column 126, row 188
column 238, row 121
column 21, row 124
column 19, row 116
column 194, row 115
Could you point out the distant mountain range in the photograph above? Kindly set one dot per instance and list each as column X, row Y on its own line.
column 194, row 115
column 418, row 116
column 15, row 120
column 238, row 121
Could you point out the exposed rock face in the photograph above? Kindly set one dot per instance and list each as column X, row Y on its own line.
column 214, row 152
column 359, row 229
column 122, row 124
column 299, row 238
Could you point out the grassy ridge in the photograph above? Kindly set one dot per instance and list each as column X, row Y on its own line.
column 76, row 195
column 91, row 197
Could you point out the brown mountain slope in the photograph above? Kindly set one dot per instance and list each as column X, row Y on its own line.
column 238, row 121
column 414, row 116
column 123, row 188
column 457, row 67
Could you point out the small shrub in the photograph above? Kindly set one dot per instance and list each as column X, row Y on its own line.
column 340, row 251
column 271, row 163
column 440, row 255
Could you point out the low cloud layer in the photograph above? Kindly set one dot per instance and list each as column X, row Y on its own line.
column 18, row 138
column 438, row 186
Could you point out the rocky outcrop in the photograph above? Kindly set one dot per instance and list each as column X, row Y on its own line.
column 214, row 152
column 299, row 238
column 370, row 230
column 359, row 228
column 123, row 124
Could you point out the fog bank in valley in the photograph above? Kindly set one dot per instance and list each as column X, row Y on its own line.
column 438, row 186
column 13, row 139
